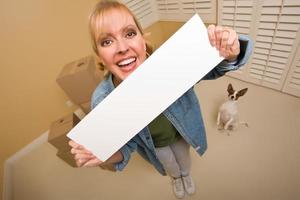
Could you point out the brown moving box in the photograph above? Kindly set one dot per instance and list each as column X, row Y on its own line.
column 79, row 79
column 67, row 157
column 58, row 130
column 57, row 137
column 85, row 107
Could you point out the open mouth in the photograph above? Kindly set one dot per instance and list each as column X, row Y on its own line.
column 127, row 62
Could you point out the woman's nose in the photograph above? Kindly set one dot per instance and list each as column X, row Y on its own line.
column 122, row 46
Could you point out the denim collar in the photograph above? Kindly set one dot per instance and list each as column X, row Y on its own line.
column 108, row 84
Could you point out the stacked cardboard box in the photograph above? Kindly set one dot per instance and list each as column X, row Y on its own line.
column 57, row 137
column 68, row 157
column 85, row 107
column 78, row 79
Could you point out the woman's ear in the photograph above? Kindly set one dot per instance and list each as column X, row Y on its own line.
column 101, row 65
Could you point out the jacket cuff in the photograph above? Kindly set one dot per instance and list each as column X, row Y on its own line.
column 246, row 47
column 126, row 157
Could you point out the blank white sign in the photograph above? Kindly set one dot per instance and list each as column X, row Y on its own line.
column 166, row 75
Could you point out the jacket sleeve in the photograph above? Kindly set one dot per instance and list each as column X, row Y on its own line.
column 246, row 47
column 126, row 151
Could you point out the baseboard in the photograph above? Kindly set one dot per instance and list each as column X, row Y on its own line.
column 7, row 176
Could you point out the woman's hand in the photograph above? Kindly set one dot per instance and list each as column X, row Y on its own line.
column 225, row 40
column 82, row 156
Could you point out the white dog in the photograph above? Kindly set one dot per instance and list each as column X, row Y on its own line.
column 228, row 112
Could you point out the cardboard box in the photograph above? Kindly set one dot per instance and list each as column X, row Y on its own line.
column 59, row 129
column 85, row 107
column 67, row 157
column 79, row 79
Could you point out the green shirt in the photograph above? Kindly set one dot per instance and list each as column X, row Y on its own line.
column 163, row 132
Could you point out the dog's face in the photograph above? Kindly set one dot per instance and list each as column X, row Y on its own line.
column 234, row 95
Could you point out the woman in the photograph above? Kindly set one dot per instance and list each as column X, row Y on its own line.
column 119, row 43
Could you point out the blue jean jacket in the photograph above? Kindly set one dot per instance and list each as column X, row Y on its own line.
column 184, row 114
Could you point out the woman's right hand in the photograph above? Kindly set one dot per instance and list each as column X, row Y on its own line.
column 82, row 156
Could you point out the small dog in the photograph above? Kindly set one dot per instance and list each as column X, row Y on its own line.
column 228, row 112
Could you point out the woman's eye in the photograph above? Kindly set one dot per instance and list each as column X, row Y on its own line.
column 105, row 43
column 131, row 34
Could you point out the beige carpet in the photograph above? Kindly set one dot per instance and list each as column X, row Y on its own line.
column 261, row 162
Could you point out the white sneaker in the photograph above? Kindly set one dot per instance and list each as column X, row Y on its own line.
column 178, row 187
column 189, row 185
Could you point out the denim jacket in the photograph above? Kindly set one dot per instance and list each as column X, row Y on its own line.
column 184, row 114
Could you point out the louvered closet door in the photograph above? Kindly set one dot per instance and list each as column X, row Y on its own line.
column 292, row 83
column 144, row 10
column 182, row 10
column 275, row 42
column 205, row 8
column 239, row 15
column 169, row 10
column 274, row 27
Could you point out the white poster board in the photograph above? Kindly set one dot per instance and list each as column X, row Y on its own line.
column 166, row 75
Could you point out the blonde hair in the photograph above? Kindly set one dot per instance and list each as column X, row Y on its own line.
column 100, row 9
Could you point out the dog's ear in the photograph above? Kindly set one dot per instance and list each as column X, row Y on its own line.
column 241, row 92
column 230, row 89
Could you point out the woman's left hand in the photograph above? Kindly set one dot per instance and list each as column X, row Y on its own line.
column 225, row 40
column 83, row 157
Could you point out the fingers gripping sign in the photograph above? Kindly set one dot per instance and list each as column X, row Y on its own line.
column 211, row 35
column 224, row 47
column 225, row 40
column 83, row 157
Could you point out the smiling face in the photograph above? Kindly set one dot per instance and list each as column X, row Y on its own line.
column 120, row 45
